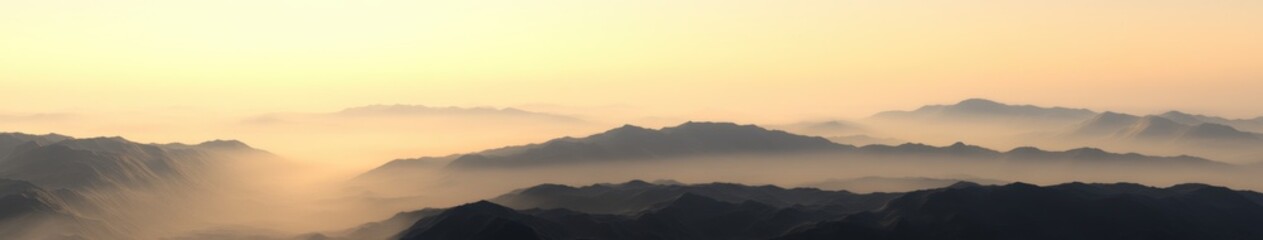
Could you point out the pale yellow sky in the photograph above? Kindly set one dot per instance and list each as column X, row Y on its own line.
column 747, row 60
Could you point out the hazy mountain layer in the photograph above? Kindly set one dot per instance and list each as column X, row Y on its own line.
column 630, row 144
column 116, row 162
column 1163, row 135
column 1001, row 125
column 30, row 212
column 982, row 111
column 130, row 190
column 1252, row 125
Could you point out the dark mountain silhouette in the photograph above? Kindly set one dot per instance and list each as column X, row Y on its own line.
column 961, row 211
column 388, row 228
column 1068, row 211
column 988, row 111
column 636, row 196
column 687, row 216
column 480, row 221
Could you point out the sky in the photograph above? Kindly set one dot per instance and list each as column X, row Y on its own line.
column 733, row 60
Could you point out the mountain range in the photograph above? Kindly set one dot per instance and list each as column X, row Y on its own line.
column 696, row 139
column 56, row 161
column 983, row 111
column 632, row 143
column 1157, row 129
column 994, row 123
column 961, row 211
column 1252, row 125
column 1067, row 211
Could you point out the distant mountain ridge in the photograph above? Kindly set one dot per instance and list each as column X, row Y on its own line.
column 994, row 123
column 977, row 109
column 1159, row 128
column 631, row 143
column 1252, row 125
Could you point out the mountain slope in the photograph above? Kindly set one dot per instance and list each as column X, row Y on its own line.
column 116, row 162
column 10, row 141
column 30, row 212
column 132, row 188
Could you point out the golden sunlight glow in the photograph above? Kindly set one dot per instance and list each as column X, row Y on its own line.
column 709, row 59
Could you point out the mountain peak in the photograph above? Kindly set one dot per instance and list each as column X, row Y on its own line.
column 979, row 102
column 484, row 207
column 963, row 184
column 1176, row 113
column 636, row 183
column 1110, row 115
column 711, row 125
column 628, row 128
column 975, row 109
column 225, row 144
